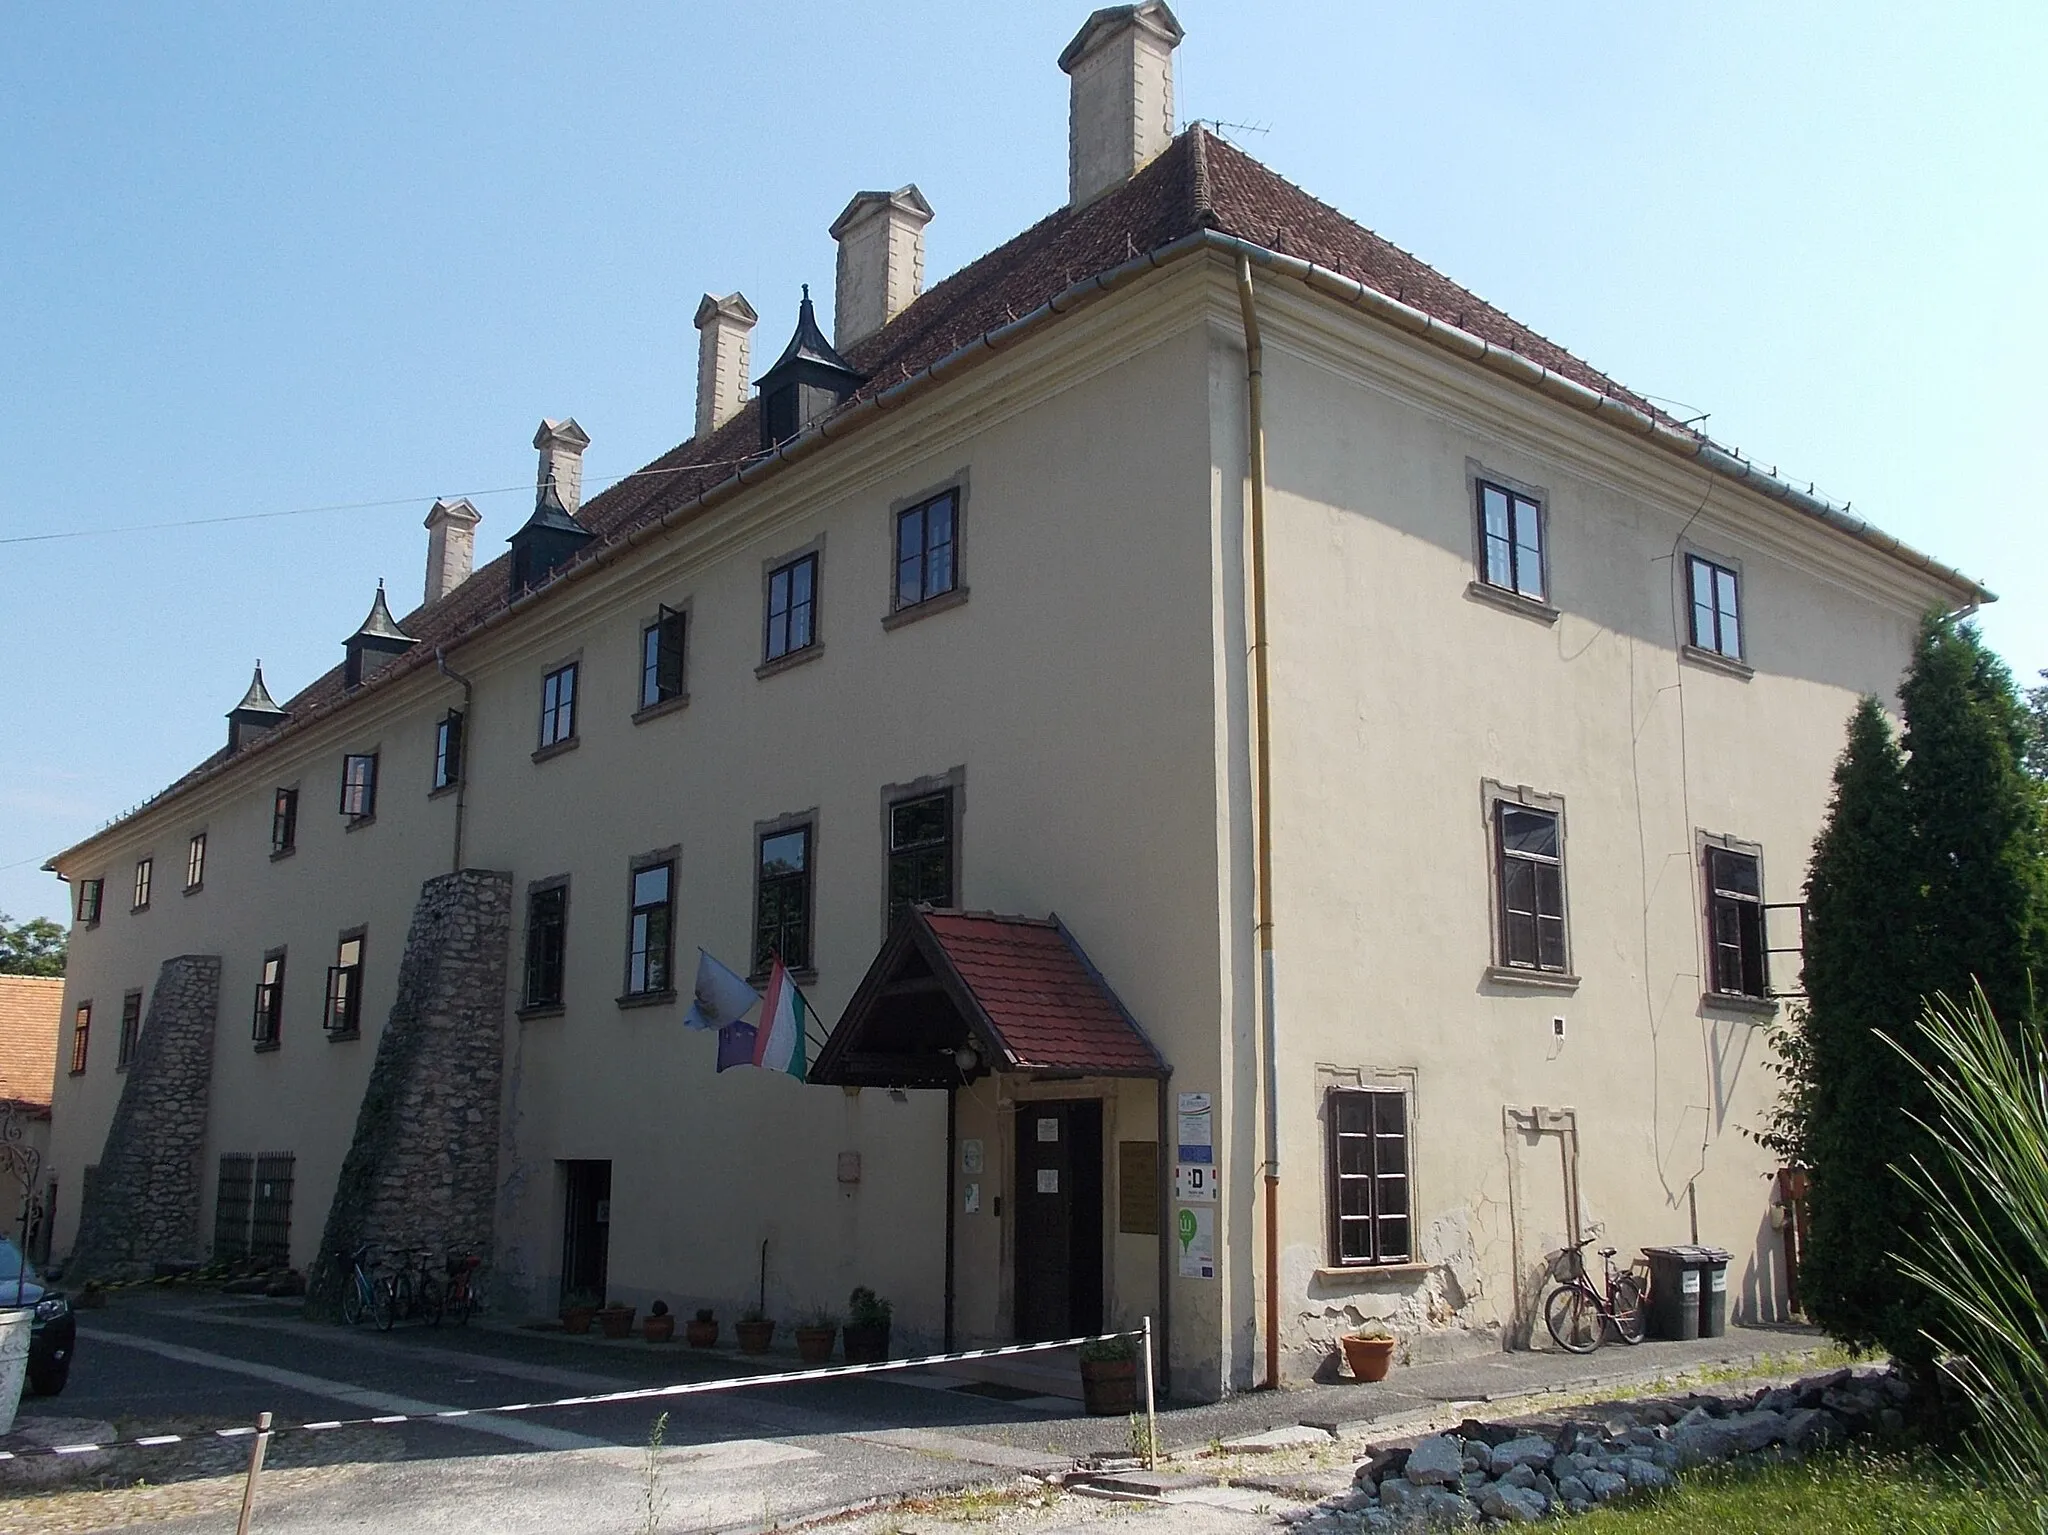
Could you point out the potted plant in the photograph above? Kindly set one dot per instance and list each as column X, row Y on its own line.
column 1109, row 1377
column 814, row 1334
column 616, row 1320
column 755, row 1331
column 579, row 1310
column 701, row 1331
column 867, row 1327
column 660, row 1325
column 1369, row 1351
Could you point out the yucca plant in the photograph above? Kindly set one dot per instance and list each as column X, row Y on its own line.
column 1984, row 1257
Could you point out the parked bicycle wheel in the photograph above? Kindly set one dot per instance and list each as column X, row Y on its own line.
column 352, row 1307
column 432, row 1301
column 386, row 1309
column 1631, row 1311
column 458, row 1305
column 1574, row 1319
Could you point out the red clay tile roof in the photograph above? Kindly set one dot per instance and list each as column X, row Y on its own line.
column 1048, row 1006
column 1199, row 182
column 31, row 1010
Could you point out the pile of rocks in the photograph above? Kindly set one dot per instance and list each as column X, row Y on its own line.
column 1517, row 1473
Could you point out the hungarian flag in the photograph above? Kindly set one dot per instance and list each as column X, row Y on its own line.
column 779, row 1041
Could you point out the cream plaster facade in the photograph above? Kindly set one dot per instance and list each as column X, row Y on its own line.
column 1093, row 690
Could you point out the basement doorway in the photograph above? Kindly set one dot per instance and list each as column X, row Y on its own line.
column 586, row 1228
column 1058, row 1250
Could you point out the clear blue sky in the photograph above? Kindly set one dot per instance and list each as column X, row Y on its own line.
column 261, row 258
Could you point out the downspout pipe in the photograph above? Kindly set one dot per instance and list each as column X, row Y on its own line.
column 462, row 752
column 1262, row 745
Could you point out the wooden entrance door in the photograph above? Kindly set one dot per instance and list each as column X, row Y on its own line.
column 586, row 1227
column 1059, row 1219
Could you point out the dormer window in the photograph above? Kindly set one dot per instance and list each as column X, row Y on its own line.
column 550, row 539
column 809, row 380
column 375, row 645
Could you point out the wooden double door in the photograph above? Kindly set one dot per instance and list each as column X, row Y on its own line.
column 1058, row 1249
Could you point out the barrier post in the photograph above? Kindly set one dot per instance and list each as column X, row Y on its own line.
column 1151, row 1407
column 256, row 1450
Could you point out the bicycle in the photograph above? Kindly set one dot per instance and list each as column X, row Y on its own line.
column 413, row 1290
column 461, row 1296
column 361, row 1295
column 1578, row 1315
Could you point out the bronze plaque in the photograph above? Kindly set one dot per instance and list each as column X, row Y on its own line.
column 1137, row 1188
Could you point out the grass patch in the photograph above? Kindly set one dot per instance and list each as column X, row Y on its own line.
column 1830, row 1495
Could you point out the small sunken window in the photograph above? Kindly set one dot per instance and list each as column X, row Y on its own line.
column 359, row 786
column 448, row 750
column 782, row 900
column 920, row 852
column 926, row 566
column 558, row 706
column 267, row 1027
column 792, row 607
column 131, row 1030
column 649, row 930
column 547, row 942
column 661, row 659
column 195, row 861
column 1370, row 1219
column 1529, row 846
column 284, row 821
column 81, row 1037
column 92, row 894
column 145, row 871
column 1511, row 541
column 345, row 987
column 1716, row 607
column 1735, row 923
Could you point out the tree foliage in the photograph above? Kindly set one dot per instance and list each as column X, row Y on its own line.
column 2037, row 728
column 1929, row 878
column 34, row 947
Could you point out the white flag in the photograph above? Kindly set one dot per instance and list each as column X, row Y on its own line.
column 722, row 995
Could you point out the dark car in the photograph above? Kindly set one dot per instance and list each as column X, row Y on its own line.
column 53, row 1336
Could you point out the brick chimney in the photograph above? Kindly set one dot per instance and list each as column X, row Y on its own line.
column 561, row 445
column 881, row 261
column 1120, row 113
column 451, row 545
column 725, row 329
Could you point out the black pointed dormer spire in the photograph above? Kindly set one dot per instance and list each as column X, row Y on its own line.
column 375, row 643
column 808, row 380
column 255, row 714
column 548, row 541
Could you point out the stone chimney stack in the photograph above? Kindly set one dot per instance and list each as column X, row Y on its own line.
column 881, row 261
column 1121, row 106
column 561, row 445
column 725, row 330
column 451, row 545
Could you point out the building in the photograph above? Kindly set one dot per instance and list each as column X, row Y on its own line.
column 30, row 1006
column 932, row 668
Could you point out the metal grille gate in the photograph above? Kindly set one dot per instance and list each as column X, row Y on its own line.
column 231, row 1207
column 270, row 1231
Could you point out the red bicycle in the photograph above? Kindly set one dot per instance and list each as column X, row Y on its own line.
column 1578, row 1315
column 461, row 1295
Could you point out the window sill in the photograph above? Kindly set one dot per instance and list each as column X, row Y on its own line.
column 557, row 748
column 89, row 926
column 279, row 853
column 1534, row 980
column 655, row 711
column 1513, row 602
column 1714, row 661
column 540, row 1010
column 444, row 791
column 1356, row 1273
column 265, row 1046
column 925, row 609
column 136, row 911
column 358, row 822
column 808, row 976
column 647, row 999
column 195, row 889
column 794, row 658
column 78, row 1071
column 339, row 1036
column 1730, row 1002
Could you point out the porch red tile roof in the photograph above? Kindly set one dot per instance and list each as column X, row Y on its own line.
column 30, row 1009
column 1048, row 1005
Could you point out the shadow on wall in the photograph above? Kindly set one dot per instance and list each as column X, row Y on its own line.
column 1766, row 1295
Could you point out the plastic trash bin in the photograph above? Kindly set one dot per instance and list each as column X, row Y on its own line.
column 1674, row 1292
column 1713, row 1267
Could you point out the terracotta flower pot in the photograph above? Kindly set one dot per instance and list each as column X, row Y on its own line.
column 700, row 1334
column 659, row 1329
column 577, row 1319
column 1109, row 1387
column 814, row 1344
column 866, row 1345
column 617, row 1321
column 754, row 1336
column 1368, row 1357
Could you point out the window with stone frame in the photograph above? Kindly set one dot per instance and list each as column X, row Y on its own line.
column 1371, row 1221
column 792, row 608
column 344, row 1012
column 1715, row 593
column 927, row 563
column 92, row 894
column 195, row 861
column 1511, row 541
column 81, row 1037
column 661, row 657
column 1740, row 958
column 284, row 822
column 448, row 750
column 131, row 1030
column 1529, row 876
column 145, row 873
column 547, row 944
column 359, row 786
column 920, row 852
column 267, row 1025
column 558, row 706
column 782, row 899
column 650, row 931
